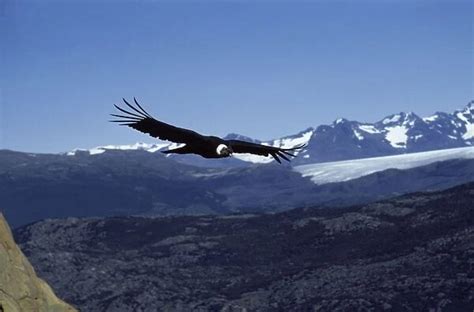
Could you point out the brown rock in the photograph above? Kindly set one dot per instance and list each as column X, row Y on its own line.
column 20, row 288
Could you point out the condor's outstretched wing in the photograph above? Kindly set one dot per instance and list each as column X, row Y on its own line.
column 140, row 120
column 263, row 150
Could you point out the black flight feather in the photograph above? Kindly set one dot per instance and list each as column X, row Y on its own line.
column 206, row 146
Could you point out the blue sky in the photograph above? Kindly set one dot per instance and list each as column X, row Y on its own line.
column 263, row 69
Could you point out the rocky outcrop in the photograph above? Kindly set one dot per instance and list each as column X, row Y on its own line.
column 20, row 288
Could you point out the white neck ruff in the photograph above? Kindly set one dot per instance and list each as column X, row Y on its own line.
column 220, row 148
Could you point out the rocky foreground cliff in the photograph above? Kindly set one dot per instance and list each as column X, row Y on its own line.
column 20, row 289
column 412, row 253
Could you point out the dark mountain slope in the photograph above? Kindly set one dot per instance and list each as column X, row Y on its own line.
column 36, row 186
column 412, row 253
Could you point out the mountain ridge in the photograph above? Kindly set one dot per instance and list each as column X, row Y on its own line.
column 345, row 139
column 38, row 186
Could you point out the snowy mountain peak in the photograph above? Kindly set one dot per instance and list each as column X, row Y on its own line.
column 132, row 147
column 391, row 119
column 400, row 118
column 344, row 139
column 340, row 121
column 309, row 129
column 435, row 116
column 236, row 136
column 411, row 116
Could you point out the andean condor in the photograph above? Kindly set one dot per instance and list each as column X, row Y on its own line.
column 206, row 146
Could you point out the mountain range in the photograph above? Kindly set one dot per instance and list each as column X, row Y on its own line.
column 343, row 139
column 39, row 186
column 138, row 180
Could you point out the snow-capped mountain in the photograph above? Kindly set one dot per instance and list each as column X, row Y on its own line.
column 395, row 134
column 343, row 139
column 133, row 147
column 287, row 142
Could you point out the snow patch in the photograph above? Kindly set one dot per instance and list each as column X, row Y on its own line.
column 295, row 141
column 256, row 159
column 369, row 129
column 359, row 135
column 462, row 117
column 339, row 171
column 137, row 146
column 394, row 118
column 469, row 132
column 397, row 136
column 96, row 151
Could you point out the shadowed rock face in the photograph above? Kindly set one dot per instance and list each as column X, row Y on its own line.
column 412, row 253
column 20, row 288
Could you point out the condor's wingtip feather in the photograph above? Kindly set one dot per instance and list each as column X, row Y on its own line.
column 123, row 122
column 288, row 154
column 135, row 109
column 298, row 147
column 283, row 156
column 130, row 121
column 126, row 117
column 276, row 157
column 143, row 110
column 127, row 112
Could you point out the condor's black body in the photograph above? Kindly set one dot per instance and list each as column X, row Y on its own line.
column 195, row 143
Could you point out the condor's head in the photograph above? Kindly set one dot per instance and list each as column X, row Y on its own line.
column 224, row 150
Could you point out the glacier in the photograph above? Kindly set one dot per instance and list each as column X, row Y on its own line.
column 339, row 171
